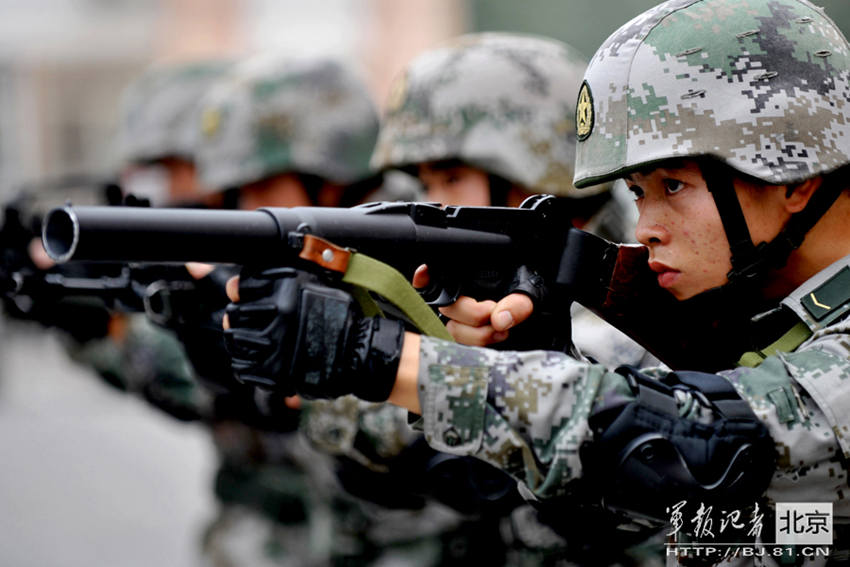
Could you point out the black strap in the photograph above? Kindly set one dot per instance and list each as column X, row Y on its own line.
column 653, row 393
column 749, row 261
column 791, row 237
column 718, row 178
column 718, row 391
column 711, row 389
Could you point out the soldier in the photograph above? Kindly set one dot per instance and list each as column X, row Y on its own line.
column 728, row 120
column 264, row 142
column 264, row 134
column 157, row 131
column 296, row 132
column 488, row 119
column 156, row 141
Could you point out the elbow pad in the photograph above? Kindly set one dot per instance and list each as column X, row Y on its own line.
column 644, row 458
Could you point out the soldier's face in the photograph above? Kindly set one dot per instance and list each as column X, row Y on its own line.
column 278, row 191
column 680, row 225
column 456, row 184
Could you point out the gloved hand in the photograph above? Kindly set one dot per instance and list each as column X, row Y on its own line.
column 195, row 317
column 293, row 334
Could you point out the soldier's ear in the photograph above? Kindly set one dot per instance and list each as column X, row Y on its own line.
column 798, row 194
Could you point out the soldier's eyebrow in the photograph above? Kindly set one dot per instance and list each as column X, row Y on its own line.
column 445, row 164
column 667, row 165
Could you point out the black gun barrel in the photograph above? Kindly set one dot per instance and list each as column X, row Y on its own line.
column 137, row 234
column 397, row 233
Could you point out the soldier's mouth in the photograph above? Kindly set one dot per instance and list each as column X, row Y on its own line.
column 667, row 276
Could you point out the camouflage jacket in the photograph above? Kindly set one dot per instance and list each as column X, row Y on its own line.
column 526, row 412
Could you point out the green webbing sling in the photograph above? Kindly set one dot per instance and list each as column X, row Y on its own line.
column 366, row 275
column 788, row 342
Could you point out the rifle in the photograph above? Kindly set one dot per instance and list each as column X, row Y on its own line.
column 71, row 295
column 162, row 292
column 475, row 251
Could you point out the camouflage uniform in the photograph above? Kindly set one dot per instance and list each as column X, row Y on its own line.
column 527, row 412
column 763, row 86
column 157, row 118
column 505, row 103
column 271, row 487
column 311, row 116
column 380, row 519
column 149, row 361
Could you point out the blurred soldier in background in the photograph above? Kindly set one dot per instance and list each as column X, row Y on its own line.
column 288, row 133
column 489, row 119
column 300, row 132
column 157, row 132
column 277, row 132
column 156, row 139
column 129, row 352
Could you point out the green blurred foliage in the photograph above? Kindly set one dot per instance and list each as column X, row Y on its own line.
column 585, row 24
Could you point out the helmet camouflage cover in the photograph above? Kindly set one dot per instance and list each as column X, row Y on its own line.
column 760, row 84
column 158, row 109
column 504, row 103
column 277, row 115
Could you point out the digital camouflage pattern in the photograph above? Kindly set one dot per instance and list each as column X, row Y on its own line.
column 526, row 412
column 158, row 109
column 333, row 425
column 504, row 103
column 274, row 115
column 767, row 78
column 149, row 361
column 275, row 500
column 424, row 533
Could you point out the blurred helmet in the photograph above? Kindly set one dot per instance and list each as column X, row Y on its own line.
column 278, row 115
column 504, row 103
column 158, row 110
column 761, row 85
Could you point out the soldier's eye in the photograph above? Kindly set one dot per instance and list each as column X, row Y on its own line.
column 673, row 186
column 636, row 191
column 452, row 177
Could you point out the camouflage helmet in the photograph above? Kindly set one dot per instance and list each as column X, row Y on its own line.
column 504, row 103
column 275, row 115
column 761, row 85
column 157, row 116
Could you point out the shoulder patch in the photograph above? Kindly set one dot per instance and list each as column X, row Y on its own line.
column 584, row 112
column 830, row 298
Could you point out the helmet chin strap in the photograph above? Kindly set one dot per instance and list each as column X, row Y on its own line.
column 736, row 315
column 752, row 262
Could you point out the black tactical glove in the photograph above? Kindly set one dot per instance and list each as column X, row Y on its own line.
column 196, row 317
column 292, row 334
